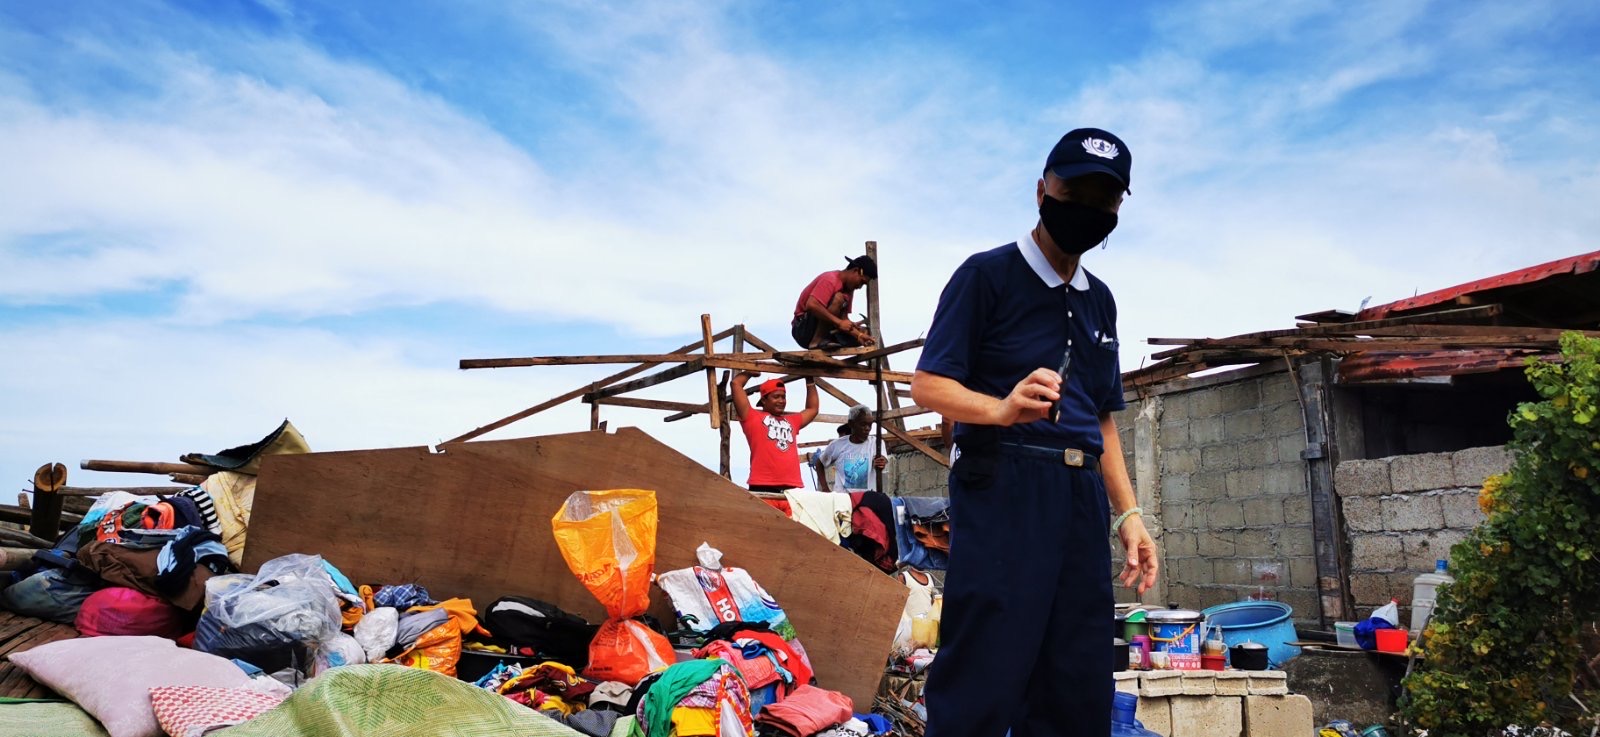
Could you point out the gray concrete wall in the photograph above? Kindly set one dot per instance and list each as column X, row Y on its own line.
column 1404, row 512
column 1234, row 498
column 910, row 473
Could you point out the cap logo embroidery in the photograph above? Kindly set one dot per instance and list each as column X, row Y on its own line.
column 1102, row 148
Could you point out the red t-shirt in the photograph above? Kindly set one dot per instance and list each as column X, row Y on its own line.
column 774, row 457
column 827, row 284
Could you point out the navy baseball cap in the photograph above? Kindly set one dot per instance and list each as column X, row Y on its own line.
column 1089, row 150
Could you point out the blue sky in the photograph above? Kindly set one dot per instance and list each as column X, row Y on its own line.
column 214, row 215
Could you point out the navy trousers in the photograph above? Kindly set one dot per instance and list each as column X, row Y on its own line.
column 1027, row 623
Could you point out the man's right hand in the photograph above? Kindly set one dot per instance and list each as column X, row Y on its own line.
column 1030, row 400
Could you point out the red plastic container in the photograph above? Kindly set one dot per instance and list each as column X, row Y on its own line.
column 1391, row 641
column 1213, row 662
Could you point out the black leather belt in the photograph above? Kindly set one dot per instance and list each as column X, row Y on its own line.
column 1065, row 456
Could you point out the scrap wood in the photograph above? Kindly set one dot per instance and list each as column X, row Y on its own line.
column 18, row 538
column 906, row 721
column 144, row 467
column 569, row 396
column 1356, row 344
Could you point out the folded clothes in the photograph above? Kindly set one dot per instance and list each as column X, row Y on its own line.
column 807, row 711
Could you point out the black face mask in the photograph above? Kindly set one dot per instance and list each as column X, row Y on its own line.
column 1075, row 227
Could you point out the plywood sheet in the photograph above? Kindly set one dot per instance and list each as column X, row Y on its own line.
column 474, row 520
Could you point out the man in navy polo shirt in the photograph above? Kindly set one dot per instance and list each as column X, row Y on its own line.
column 1022, row 355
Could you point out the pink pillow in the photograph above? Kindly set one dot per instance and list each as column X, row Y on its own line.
column 191, row 711
column 111, row 677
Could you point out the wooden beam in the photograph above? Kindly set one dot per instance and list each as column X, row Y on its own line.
column 45, row 513
column 493, row 363
column 660, row 377
column 828, row 372
column 660, row 404
column 926, row 449
column 569, row 396
column 144, row 467
column 710, row 349
column 1321, row 455
column 594, row 415
column 191, row 479
column 136, row 490
column 18, row 538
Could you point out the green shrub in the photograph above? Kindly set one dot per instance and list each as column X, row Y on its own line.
column 1503, row 645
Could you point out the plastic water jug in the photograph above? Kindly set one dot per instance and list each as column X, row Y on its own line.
column 1123, row 706
column 1424, row 593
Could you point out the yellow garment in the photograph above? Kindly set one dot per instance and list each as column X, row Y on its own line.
column 350, row 614
column 826, row 513
column 367, row 593
column 694, row 721
column 546, row 701
column 459, row 610
column 232, row 494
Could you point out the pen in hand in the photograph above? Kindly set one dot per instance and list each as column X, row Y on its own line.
column 1066, row 362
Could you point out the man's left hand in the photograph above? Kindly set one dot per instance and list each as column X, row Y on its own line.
column 1141, row 565
column 880, row 463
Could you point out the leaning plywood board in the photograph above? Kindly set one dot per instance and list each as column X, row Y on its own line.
column 474, row 520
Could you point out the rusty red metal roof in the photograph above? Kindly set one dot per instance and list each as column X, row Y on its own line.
column 1376, row 366
column 1572, row 265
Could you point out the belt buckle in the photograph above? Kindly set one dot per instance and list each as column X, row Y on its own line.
column 1072, row 457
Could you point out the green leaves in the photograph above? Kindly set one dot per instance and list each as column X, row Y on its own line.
column 1503, row 645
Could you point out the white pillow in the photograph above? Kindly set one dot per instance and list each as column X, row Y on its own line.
column 111, row 677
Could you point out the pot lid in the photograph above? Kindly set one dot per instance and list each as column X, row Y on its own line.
column 1174, row 615
column 1249, row 646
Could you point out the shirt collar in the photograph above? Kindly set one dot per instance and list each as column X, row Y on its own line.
column 1034, row 255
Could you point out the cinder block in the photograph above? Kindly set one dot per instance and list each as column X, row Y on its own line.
column 1377, row 553
column 1207, row 716
column 1278, row 389
column 1232, row 683
column 1199, row 682
column 1205, row 430
column 1473, row 465
column 1296, row 541
column 1263, row 511
column 1160, row 683
column 1255, row 543
column 1179, row 544
column 1241, row 396
column 1225, row 513
column 1244, row 482
column 1178, row 459
column 1277, row 716
column 1219, row 457
column 1284, row 419
column 1208, row 484
column 1176, row 486
column 1361, row 514
column 1305, row 603
column 1258, row 453
column 1297, row 509
column 1232, row 571
column 1174, row 407
column 1269, row 683
column 1290, row 446
column 1216, row 543
column 1362, row 478
column 1285, row 478
column 1421, row 472
column 1155, row 715
column 1461, row 510
column 1180, row 515
column 1369, row 589
column 1127, row 681
column 1407, row 512
column 1242, row 425
column 1193, row 570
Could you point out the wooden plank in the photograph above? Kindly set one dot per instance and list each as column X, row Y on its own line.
column 660, row 404
column 17, row 625
column 926, row 449
column 567, row 397
column 714, row 408
column 468, row 364
column 143, row 467
column 136, row 490
column 340, row 505
column 1320, row 456
column 831, row 372
column 660, row 377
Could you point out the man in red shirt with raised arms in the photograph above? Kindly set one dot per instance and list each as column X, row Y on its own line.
column 774, row 451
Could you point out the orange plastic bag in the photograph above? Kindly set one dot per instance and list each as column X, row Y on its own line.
column 608, row 539
column 438, row 650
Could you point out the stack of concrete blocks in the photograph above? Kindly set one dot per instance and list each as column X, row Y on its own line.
column 1207, row 703
column 1402, row 513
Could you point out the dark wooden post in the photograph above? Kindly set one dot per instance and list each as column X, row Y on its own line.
column 46, row 519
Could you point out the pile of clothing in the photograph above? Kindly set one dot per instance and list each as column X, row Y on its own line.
column 887, row 532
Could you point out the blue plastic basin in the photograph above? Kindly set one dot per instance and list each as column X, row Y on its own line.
column 1263, row 622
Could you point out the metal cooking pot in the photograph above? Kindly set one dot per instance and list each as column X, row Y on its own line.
column 1248, row 656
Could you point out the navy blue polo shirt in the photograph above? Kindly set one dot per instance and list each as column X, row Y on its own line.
column 1005, row 313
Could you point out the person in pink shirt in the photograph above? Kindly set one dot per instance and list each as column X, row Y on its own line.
column 822, row 314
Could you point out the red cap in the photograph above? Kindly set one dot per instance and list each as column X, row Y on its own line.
column 771, row 385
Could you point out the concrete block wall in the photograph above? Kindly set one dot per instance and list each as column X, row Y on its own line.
column 1234, row 501
column 1218, row 704
column 1404, row 512
column 910, row 473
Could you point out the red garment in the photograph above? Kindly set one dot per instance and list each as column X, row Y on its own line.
column 774, row 457
column 807, row 711
column 796, row 665
column 782, row 505
column 827, row 284
column 865, row 522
